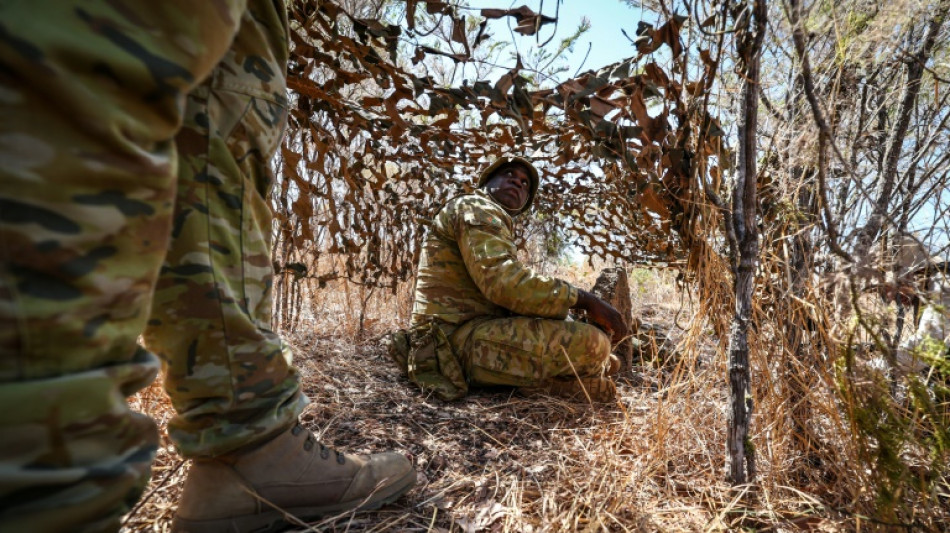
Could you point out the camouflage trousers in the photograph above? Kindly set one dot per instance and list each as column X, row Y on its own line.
column 524, row 351
column 135, row 147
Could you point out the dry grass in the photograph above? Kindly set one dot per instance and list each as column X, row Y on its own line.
column 500, row 461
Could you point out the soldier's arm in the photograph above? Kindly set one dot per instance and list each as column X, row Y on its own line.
column 490, row 256
column 603, row 314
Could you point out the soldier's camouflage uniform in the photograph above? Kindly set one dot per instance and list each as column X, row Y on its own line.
column 134, row 153
column 506, row 323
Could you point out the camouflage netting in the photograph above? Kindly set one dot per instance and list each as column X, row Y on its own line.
column 634, row 169
column 373, row 145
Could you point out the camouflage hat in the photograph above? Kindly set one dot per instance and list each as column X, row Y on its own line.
column 532, row 175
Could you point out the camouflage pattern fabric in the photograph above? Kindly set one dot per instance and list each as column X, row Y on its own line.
column 426, row 357
column 507, row 322
column 213, row 297
column 92, row 97
column 469, row 268
column 526, row 351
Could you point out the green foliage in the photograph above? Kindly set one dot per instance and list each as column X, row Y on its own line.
column 639, row 278
column 905, row 438
column 545, row 64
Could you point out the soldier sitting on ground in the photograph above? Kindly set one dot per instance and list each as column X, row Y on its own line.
column 481, row 317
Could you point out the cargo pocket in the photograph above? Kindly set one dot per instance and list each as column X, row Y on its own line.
column 424, row 354
column 495, row 361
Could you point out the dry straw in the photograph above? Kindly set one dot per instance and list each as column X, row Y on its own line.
column 501, row 461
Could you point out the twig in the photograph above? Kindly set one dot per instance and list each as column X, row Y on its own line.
column 159, row 485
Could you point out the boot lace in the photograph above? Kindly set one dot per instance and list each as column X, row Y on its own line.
column 311, row 441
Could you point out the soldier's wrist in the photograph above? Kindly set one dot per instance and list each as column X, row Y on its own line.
column 584, row 299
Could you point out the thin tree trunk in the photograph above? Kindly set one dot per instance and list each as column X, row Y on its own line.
column 799, row 378
column 750, row 35
column 825, row 137
column 798, row 357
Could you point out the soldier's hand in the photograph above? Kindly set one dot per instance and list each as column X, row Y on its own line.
column 603, row 314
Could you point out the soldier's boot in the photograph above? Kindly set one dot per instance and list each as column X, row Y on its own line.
column 289, row 479
column 613, row 365
column 599, row 389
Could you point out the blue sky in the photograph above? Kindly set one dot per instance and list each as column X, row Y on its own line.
column 607, row 18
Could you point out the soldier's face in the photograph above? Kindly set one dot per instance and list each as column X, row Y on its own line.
column 510, row 186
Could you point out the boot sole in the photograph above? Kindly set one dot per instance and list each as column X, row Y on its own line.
column 273, row 520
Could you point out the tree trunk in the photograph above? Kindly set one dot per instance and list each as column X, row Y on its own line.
column 613, row 286
column 799, row 377
column 749, row 37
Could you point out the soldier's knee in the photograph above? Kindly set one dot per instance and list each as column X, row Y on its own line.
column 597, row 341
column 594, row 349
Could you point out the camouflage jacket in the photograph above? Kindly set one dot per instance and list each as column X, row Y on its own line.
column 469, row 268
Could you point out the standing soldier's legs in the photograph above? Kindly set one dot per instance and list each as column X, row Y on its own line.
column 91, row 96
column 525, row 351
column 229, row 376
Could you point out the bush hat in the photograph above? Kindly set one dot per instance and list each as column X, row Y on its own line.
column 490, row 170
